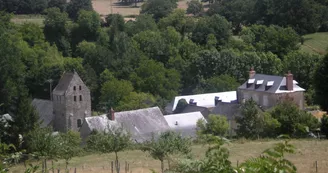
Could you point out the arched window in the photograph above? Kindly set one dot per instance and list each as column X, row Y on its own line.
column 79, row 123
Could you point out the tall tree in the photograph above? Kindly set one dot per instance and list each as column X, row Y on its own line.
column 321, row 84
column 75, row 6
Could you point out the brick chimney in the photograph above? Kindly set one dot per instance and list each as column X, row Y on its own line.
column 111, row 114
column 252, row 73
column 289, row 81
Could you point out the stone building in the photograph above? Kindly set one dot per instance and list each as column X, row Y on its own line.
column 71, row 103
column 268, row 90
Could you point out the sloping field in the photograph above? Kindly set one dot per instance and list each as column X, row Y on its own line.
column 308, row 152
column 316, row 43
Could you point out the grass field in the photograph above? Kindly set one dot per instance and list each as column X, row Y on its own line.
column 316, row 43
column 308, row 151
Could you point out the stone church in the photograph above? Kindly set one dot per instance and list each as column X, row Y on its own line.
column 70, row 104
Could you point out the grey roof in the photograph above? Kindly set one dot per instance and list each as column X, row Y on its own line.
column 193, row 108
column 63, row 83
column 279, row 84
column 185, row 123
column 230, row 110
column 101, row 123
column 142, row 123
column 45, row 111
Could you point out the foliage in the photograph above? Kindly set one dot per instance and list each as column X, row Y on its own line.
column 135, row 101
column 216, row 125
column 69, row 146
column 320, row 83
column 214, row 84
column 324, row 125
column 111, row 140
column 166, row 144
column 195, row 7
column 182, row 103
column 158, row 8
column 294, row 122
column 75, row 6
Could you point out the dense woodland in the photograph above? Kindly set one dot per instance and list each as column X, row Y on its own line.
column 163, row 53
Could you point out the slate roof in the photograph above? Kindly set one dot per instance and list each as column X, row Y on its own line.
column 142, row 123
column 45, row 111
column 63, row 83
column 278, row 86
column 185, row 123
column 207, row 100
column 193, row 108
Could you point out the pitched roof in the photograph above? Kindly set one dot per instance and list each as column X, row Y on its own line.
column 207, row 100
column 45, row 111
column 193, row 108
column 278, row 84
column 185, row 123
column 63, row 83
column 100, row 123
column 230, row 110
column 143, row 122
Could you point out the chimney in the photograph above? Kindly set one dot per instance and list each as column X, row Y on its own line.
column 192, row 102
column 111, row 114
column 252, row 73
column 289, row 81
column 217, row 100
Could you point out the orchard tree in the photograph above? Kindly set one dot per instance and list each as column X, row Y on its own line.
column 113, row 140
column 69, row 146
column 166, row 144
column 216, row 125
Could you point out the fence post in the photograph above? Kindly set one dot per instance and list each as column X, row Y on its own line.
column 58, row 170
column 316, row 166
column 111, row 166
column 237, row 163
column 75, row 170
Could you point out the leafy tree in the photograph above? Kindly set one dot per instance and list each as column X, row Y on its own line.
column 250, row 123
column 195, row 7
column 216, row 25
column 293, row 121
column 324, row 125
column 135, row 101
column 275, row 39
column 220, row 83
column 320, row 83
column 111, row 141
column 69, row 146
column 216, row 125
column 75, row 6
column 61, row 4
column 168, row 143
column 32, row 34
column 115, row 21
column 182, row 103
column 158, row 8
column 112, row 92
column 143, row 22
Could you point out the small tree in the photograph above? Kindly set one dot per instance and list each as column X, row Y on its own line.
column 69, row 146
column 324, row 125
column 168, row 143
column 195, row 7
column 217, row 125
column 110, row 141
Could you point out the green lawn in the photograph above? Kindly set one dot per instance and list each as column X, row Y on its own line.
column 308, row 151
column 20, row 19
column 316, row 43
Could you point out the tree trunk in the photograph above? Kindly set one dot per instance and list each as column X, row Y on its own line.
column 116, row 163
column 66, row 165
column 45, row 166
column 162, row 166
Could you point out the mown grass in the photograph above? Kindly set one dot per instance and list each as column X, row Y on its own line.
column 308, row 151
column 21, row 19
column 316, row 43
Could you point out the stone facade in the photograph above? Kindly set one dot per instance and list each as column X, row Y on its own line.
column 71, row 103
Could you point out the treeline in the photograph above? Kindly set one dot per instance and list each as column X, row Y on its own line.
column 141, row 63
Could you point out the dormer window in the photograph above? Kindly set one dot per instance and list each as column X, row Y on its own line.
column 250, row 82
column 74, row 88
column 80, row 87
column 269, row 85
column 258, row 83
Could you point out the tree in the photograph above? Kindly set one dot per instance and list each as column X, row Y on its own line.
column 182, row 103
column 220, row 83
column 158, row 8
column 195, row 7
column 69, row 146
column 113, row 140
column 250, row 123
column 75, row 6
column 320, row 83
column 112, row 92
column 216, row 125
column 135, row 101
column 61, row 4
column 216, row 25
column 294, row 122
column 167, row 143
column 324, row 125
column 143, row 22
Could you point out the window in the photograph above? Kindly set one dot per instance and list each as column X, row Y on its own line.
column 80, row 97
column 80, row 88
column 79, row 123
column 74, row 88
column 75, row 98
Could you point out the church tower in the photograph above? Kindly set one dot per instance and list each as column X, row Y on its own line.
column 71, row 103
